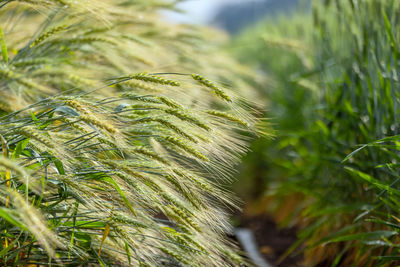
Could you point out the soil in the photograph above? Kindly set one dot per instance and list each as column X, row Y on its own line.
column 271, row 240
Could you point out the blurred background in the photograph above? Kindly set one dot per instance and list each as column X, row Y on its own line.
column 230, row 15
column 239, row 18
column 325, row 190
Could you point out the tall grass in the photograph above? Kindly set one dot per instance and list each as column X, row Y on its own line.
column 113, row 151
column 333, row 171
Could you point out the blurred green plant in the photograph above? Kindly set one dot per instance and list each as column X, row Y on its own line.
column 335, row 75
column 112, row 151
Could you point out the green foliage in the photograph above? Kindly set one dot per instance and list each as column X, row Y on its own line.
column 336, row 91
column 112, row 154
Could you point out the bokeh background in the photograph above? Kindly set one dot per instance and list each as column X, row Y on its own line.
column 240, row 18
column 323, row 192
column 230, row 15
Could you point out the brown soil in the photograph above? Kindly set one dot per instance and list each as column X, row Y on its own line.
column 271, row 240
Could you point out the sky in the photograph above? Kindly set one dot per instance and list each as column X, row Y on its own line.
column 199, row 11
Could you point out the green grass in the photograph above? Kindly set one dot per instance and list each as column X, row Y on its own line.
column 335, row 91
column 113, row 151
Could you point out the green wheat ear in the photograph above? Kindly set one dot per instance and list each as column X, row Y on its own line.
column 228, row 117
column 153, row 79
column 47, row 35
column 102, row 168
column 3, row 45
column 218, row 91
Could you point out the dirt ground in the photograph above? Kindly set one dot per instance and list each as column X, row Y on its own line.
column 272, row 241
